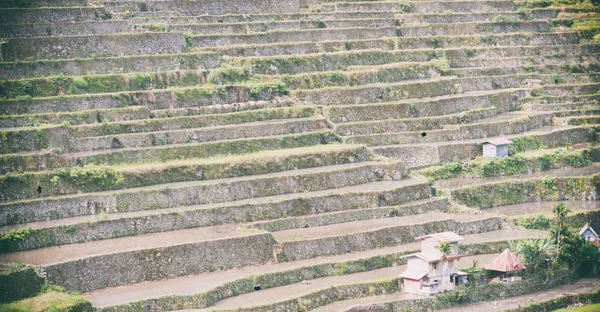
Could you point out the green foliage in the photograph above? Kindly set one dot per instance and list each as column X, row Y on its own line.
column 403, row 6
column 581, row 255
column 189, row 39
column 12, row 238
column 532, row 253
column 445, row 248
column 447, row 171
column 539, row 222
column 81, row 83
column 155, row 27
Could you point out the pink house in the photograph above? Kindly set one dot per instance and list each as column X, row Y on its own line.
column 429, row 271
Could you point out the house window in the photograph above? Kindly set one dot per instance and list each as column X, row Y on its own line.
column 435, row 265
column 451, row 278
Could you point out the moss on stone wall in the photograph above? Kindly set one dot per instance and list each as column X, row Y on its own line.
column 18, row 282
column 515, row 192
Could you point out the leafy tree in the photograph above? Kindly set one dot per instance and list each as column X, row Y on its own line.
column 533, row 252
column 580, row 255
column 559, row 227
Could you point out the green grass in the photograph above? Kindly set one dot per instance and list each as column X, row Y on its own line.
column 585, row 308
column 53, row 300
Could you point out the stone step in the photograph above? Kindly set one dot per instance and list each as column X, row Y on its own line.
column 582, row 62
column 412, row 124
column 65, row 29
column 562, row 106
column 94, row 116
column 281, row 36
column 69, row 47
column 437, row 106
column 329, row 290
column 56, row 86
column 462, row 17
column 196, row 135
column 141, row 15
column 48, row 159
column 258, row 27
column 458, row 57
column 52, row 15
column 93, row 227
column 428, row 154
column 267, row 276
column 109, row 65
column 527, row 68
column 191, row 122
column 374, row 93
column 418, row 6
column 199, row 7
column 306, row 243
column 561, row 99
column 513, row 39
column 24, row 186
column 502, row 124
column 265, row 18
column 202, row 96
column 472, row 28
column 328, row 218
column 225, row 108
column 42, row 3
column 188, row 193
column 392, row 72
column 95, row 265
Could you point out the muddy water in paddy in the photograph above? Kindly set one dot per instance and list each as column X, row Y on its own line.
column 543, row 207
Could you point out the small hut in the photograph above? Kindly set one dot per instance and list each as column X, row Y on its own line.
column 588, row 233
column 496, row 147
column 506, row 265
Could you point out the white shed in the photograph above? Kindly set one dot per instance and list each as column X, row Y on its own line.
column 496, row 147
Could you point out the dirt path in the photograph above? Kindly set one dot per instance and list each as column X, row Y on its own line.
column 581, row 286
column 202, row 282
column 283, row 293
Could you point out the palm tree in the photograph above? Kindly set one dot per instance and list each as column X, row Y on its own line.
column 533, row 252
column 445, row 248
column 560, row 219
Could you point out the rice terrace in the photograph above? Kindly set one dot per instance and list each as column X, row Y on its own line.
column 299, row 155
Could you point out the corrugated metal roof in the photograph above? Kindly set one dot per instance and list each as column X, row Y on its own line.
column 450, row 237
column 497, row 141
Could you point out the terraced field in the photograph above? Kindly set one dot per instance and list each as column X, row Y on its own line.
column 263, row 155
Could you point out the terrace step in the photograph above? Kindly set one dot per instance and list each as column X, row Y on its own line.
column 109, row 65
column 65, row 29
column 436, row 106
column 88, row 84
column 502, row 124
column 428, row 154
column 417, row 6
column 24, row 186
column 156, row 256
column 561, row 107
column 294, row 294
column 142, row 294
column 265, row 18
column 513, row 39
column 52, row 15
column 305, row 243
column 76, row 118
column 471, row 28
column 462, row 17
column 198, row 7
column 375, row 194
column 458, row 57
column 188, row 193
column 282, row 36
column 198, row 135
column 414, row 124
column 258, row 27
column 201, row 96
column 47, row 160
column 458, row 183
column 42, row 3
column 68, row 47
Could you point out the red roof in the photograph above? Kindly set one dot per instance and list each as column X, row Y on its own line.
column 506, row 262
